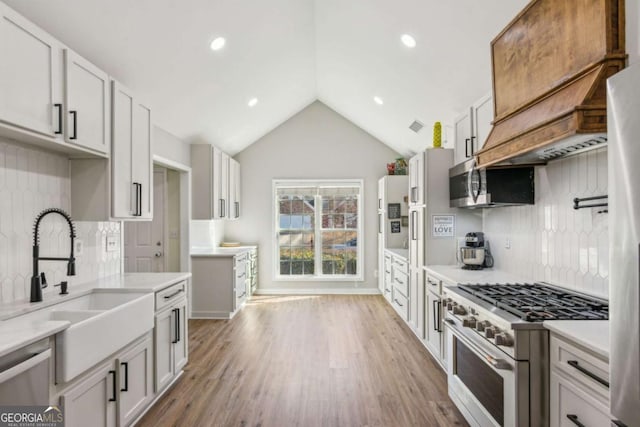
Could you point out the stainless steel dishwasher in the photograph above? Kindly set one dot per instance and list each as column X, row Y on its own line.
column 24, row 375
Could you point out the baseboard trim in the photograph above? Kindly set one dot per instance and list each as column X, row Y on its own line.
column 320, row 291
column 211, row 315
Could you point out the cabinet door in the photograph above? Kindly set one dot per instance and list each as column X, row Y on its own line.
column 163, row 336
column 234, row 189
column 136, row 381
column 123, row 192
column 463, row 128
column 416, row 238
column 416, row 180
column 30, row 80
column 415, row 281
column 482, row 118
column 381, row 188
column 571, row 405
column 181, row 346
column 218, row 199
column 86, row 103
column 141, row 158
column 92, row 401
column 433, row 324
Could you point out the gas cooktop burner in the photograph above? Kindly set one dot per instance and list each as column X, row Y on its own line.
column 537, row 302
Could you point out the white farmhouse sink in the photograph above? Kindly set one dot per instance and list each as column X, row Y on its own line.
column 102, row 322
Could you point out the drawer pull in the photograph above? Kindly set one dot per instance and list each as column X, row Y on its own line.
column 398, row 302
column 574, row 364
column 574, row 419
column 432, row 283
column 399, row 281
column 167, row 297
column 387, row 290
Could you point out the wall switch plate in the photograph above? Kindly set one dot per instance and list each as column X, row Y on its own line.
column 78, row 247
column 375, row 273
column 112, row 243
column 507, row 243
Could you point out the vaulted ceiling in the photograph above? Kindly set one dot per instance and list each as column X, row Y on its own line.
column 287, row 53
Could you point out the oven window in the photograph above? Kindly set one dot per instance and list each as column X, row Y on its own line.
column 458, row 187
column 485, row 384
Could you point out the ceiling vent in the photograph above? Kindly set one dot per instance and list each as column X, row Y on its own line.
column 416, row 126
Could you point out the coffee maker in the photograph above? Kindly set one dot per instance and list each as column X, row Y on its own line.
column 476, row 254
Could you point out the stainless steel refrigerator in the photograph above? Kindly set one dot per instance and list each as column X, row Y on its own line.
column 623, row 125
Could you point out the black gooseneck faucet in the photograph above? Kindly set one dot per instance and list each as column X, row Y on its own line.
column 38, row 280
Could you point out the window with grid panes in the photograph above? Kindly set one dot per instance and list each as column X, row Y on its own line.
column 318, row 229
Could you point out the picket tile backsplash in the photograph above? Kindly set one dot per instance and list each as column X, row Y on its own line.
column 32, row 180
column 550, row 241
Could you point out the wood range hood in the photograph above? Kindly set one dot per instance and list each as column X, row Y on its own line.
column 550, row 66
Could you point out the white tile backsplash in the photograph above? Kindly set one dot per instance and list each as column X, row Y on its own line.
column 32, row 180
column 550, row 241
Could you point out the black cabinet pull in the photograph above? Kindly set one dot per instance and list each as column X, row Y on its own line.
column 472, row 150
column 178, row 325
column 175, row 326
column 574, row 419
column 220, row 208
column 237, row 209
column 126, row 376
column 113, row 379
column 436, row 315
column 574, row 364
column 619, row 423
column 74, row 114
column 139, row 199
column 466, row 147
column 59, row 107
column 166, row 297
column 398, row 302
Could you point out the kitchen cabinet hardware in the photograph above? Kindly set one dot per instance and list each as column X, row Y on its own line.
column 576, row 365
column 126, row 376
column 578, row 200
column 74, row 116
column 59, row 108
column 436, row 315
column 237, row 209
column 398, row 302
column 168, row 297
column 113, row 384
column 176, row 313
column 466, row 147
column 574, row 419
column 618, row 423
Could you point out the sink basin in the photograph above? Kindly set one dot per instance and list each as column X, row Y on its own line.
column 101, row 324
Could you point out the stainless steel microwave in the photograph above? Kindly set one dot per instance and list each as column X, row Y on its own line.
column 473, row 187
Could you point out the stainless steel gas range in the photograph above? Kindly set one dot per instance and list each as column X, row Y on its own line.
column 498, row 350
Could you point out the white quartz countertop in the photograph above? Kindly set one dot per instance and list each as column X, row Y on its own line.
column 16, row 332
column 219, row 251
column 404, row 253
column 592, row 334
column 454, row 275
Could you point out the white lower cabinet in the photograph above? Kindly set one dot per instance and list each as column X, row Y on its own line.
column 579, row 392
column 433, row 322
column 114, row 393
column 136, row 381
column 171, row 350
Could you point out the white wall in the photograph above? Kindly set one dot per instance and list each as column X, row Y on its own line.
column 32, row 180
column 315, row 143
column 170, row 147
column 551, row 241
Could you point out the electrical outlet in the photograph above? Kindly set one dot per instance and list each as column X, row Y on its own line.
column 78, row 247
column 112, row 243
column 507, row 243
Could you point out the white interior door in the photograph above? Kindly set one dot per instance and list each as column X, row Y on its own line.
column 144, row 247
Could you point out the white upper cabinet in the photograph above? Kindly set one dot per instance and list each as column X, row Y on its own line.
column 30, row 95
column 472, row 128
column 131, row 157
column 234, row 189
column 86, row 103
column 416, row 180
column 216, row 184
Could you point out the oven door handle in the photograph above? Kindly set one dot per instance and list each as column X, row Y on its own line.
column 497, row 363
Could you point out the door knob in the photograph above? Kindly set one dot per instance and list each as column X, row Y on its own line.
column 159, row 243
column 158, row 254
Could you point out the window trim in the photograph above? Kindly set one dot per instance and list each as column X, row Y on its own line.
column 277, row 277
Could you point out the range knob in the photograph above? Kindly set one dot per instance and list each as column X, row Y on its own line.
column 491, row 332
column 451, row 305
column 470, row 322
column 480, row 326
column 459, row 310
column 504, row 340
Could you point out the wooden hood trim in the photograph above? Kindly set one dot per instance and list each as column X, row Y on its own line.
column 550, row 66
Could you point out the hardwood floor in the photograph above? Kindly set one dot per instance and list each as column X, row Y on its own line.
column 331, row 360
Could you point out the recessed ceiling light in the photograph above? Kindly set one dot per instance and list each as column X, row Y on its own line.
column 408, row 40
column 378, row 100
column 218, row 43
column 252, row 102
